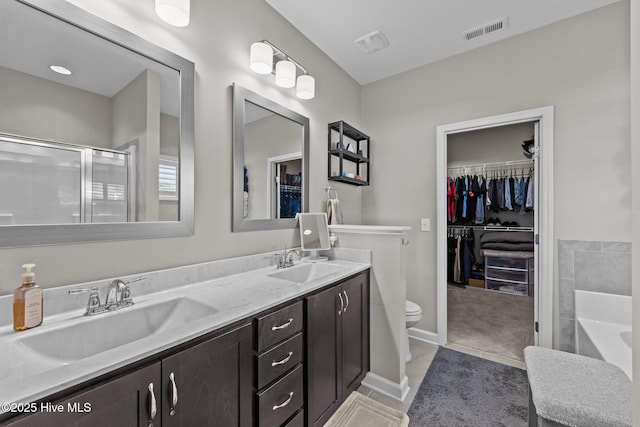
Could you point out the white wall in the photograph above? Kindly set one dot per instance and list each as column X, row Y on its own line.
column 30, row 107
column 635, row 168
column 218, row 41
column 580, row 65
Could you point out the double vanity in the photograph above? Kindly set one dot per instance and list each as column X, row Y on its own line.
column 232, row 342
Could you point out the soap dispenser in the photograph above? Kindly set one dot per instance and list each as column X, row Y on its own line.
column 27, row 301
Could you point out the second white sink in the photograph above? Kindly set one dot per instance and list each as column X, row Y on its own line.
column 304, row 272
column 104, row 332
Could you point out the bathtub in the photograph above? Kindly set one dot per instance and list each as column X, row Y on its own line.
column 603, row 327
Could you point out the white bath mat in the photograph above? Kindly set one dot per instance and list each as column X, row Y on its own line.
column 359, row 410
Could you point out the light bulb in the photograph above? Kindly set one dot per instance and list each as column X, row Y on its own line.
column 285, row 74
column 174, row 12
column 306, row 87
column 261, row 58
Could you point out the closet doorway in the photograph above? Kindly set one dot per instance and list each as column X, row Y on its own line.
column 513, row 271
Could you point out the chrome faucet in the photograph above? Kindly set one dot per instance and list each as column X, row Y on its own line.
column 288, row 257
column 285, row 259
column 118, row 296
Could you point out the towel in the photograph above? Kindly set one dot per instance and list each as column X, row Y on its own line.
column 334, row 216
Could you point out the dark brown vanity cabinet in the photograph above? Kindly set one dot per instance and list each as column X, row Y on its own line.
column 289, row 366
column 280, row 375
column 337, row 345
column 124, row 401
column 208, row 384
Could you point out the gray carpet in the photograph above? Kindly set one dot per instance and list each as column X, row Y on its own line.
column 464, row 390
column 490, row 321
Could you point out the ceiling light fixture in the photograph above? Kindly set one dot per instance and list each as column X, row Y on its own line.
column 60, row 70
column 264, row 54
column 174, row 12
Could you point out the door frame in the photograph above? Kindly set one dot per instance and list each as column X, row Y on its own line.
column 544, row 209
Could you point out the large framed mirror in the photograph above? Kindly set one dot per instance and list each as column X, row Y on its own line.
column 96, row 130
column 270, row 163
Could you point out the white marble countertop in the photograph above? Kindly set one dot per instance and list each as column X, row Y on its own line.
column 26, row 376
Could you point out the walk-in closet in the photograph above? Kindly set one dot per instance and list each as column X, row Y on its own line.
column 491, row 200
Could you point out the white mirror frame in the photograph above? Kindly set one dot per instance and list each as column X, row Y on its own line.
column 26, row 235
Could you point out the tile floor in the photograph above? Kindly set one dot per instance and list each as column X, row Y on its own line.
column 422, row 355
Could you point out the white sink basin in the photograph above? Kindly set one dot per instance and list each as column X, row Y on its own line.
column 93, row 335
column 304, row 272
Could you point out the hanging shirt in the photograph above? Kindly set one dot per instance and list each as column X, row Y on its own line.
column 530, row 195
column 480, row 202
column 500, row 198
column 507, row 195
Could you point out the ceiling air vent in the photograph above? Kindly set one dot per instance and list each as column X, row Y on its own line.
column 372, row 42
column 491, row 27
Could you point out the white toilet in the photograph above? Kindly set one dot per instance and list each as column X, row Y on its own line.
column 413, row 314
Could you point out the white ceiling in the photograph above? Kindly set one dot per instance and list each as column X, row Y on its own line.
column 419, row 31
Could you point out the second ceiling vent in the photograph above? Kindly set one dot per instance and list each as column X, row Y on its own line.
column 488, row 28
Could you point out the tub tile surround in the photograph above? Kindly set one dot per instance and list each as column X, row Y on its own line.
column 598, row 266
column 237, row 288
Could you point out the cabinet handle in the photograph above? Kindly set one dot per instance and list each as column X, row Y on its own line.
column 284, row 325
column 346, row 297
column 153, row 408
column 283, row 361
column 174, row 390
column 285, row 403
column 341, row 303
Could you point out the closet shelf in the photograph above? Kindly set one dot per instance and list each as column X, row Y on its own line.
column 490, row 227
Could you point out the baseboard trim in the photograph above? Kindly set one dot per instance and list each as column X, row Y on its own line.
column 422, row 335
column 386, row 387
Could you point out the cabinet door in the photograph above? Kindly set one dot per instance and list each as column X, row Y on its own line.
column 210, row 384
column 355, row 333
column 125, row 401
column 323, row 391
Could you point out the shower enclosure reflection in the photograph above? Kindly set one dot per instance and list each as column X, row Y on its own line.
column 51, row 183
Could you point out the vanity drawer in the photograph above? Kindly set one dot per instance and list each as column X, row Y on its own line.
column 297, row 421
column 280, row 401
column 279, row 360
column 279, row 325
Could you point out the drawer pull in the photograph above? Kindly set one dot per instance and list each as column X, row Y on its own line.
column 285, row 403
column 153, row 409
column 283, row 361
column 284, row 325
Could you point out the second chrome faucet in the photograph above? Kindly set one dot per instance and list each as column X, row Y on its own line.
column 285, row 259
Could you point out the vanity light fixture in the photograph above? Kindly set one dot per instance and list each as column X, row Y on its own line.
column 261, row 58
column 285, row 74
column 264, row 54
column 174, row 12
column 60, row 70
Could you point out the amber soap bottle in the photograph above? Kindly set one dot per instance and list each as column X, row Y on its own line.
column 27, row 301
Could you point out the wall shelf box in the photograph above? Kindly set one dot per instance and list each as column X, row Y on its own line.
column 356, row 160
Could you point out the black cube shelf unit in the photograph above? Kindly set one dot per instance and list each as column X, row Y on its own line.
column 338, row 151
